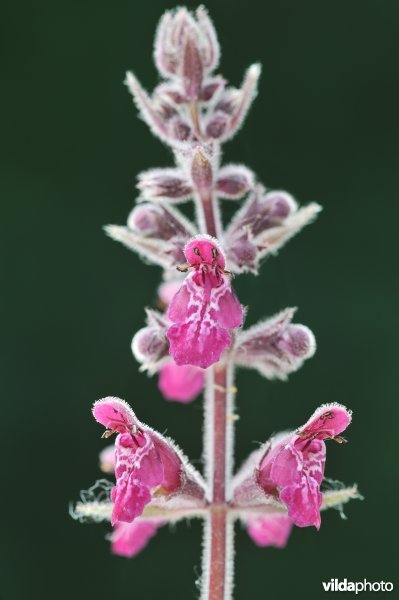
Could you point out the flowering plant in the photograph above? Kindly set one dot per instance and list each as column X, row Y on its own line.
column 196, row 340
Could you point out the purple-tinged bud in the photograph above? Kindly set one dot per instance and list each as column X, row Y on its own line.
column 164, row 183
column 150, row 345
column 168, row 40
column 211, row 88
column 229, row 101
column 164, row 107
column 267, row 221
column 201, row 171
column 158, row 221
column 210, row 48
column 157, row 232
column 275, row 347
column 192, row 71
column 170, row 92
column 179, row 129
column 244, row 253
column 147, row 345
column 216, row 125
column 297, row 340
column 234, row 181
column 174, row 29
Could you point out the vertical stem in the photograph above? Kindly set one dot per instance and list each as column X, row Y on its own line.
column 208, row 208
column 218, row 429
column 218, row 546
column 219, row 435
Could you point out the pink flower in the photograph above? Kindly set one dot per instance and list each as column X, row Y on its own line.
column 205, row 308
column 293, row 466
column 270, row 530
column 107, row 459
column 143, row 459
column 167, row 291
column 180, row 383
column 128, row 539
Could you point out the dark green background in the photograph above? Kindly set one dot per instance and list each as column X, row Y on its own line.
column 325, row 128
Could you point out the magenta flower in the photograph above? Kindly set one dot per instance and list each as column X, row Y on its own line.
column 205, row 309
column 144, row 460
column 293, row 466
column 128, row 539
column 107, row 459
column 180, row 383
column 270, row 530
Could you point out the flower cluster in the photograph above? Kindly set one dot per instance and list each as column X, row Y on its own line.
column 277, row 487
column 194, row 339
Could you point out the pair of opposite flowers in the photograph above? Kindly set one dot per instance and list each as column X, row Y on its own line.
column 279, row 484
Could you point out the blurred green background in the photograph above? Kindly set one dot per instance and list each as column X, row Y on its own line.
column 324, row 127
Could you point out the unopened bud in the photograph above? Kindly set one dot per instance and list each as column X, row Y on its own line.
column 297, row 341
column 192, row 71
column 158, row 221
column 268, row 221
column 234, row 181
column 211, row 88
column 179, row 129
column 275, row 347
column 150, row 345
column 173, row 57
column 217, row 125
column 244, row 253
column 164, row 183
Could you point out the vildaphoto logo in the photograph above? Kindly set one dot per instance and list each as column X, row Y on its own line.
column 335, row 585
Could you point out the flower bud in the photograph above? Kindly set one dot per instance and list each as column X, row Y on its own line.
column 216, row 125
column 275, row 347
column 210, row 50
column 150, row 345
column 157, row 221
column 234, row 181
column 179, row 129
column 244, row 253
column 168, row 39
column 211, row 88
column 172, row 56
column 297, row 341
column 266, row 221
column 192, row 69
column 164, row 183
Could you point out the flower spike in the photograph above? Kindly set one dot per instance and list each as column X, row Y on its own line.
column 193, row 341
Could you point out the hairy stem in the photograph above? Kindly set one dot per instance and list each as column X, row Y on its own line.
column 219, row 423
column 209, row 215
